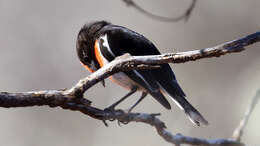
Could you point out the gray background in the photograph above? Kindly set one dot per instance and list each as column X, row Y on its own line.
column 37, row 52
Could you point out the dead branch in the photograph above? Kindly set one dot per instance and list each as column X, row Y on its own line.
column 185, row 16
column 72, row 98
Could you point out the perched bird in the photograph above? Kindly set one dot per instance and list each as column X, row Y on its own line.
column 100, row 42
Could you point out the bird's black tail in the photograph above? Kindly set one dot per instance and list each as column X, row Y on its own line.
column 178, row 96
column 166, row 78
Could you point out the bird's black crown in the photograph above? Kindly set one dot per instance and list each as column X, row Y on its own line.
column 86, row 40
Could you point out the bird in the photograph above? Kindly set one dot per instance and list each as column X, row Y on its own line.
column 100, row 42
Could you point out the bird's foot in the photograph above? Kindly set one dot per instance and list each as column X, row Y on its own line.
column 110, row 109
column 117, row 115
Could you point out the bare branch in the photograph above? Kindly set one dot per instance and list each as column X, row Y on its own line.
column 72, row 98
column 185, row 16
column 239, row 130
column 55, row 98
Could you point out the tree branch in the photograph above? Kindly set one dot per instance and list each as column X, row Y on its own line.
column 185, row 15
column 58, row 98
column 72, row 98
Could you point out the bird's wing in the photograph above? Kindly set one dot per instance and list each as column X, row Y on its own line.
column 122, row 40
column 145, row 79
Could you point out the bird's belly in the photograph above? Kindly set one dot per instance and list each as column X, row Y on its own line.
column 123, row 80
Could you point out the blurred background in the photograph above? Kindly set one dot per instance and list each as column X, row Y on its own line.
column 37, row 52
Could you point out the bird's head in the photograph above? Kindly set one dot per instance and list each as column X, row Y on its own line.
column 85, row 44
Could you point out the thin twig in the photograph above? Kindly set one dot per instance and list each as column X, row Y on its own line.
column 238, row 132
column 185, row 16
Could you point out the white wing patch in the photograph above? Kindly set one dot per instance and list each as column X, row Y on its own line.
column 178, row 104
column 105, row 44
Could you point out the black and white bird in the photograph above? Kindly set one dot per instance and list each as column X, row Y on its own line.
column 100, row 42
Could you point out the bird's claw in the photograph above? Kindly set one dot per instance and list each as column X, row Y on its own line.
column 124, row 122
column 112, row 110
column 105, row 123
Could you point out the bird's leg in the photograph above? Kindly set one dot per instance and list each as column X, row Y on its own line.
column 144, row 94
column 112, row 107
